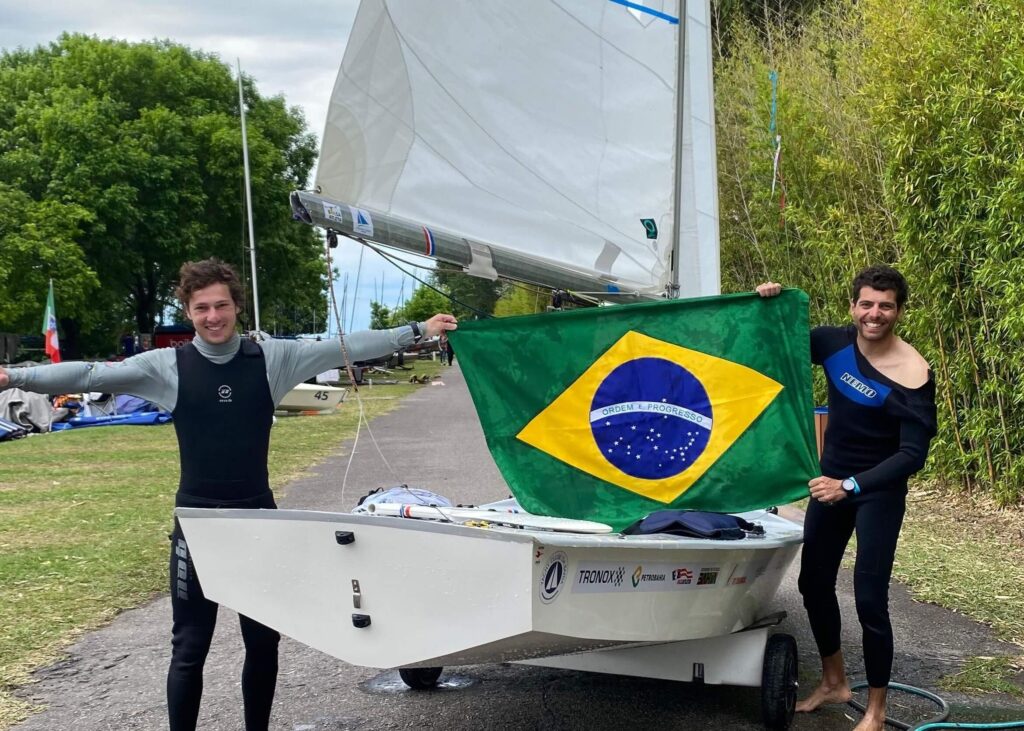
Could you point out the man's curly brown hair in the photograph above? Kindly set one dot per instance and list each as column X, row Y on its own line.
column 196, row 275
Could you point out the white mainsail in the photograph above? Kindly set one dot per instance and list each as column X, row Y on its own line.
column 541, row 129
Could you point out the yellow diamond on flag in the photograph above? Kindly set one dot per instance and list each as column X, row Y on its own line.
column 650, row 416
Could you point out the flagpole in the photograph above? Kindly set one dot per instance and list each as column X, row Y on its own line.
column 51, row 343
column 248, row 201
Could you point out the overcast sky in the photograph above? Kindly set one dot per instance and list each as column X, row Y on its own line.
column 288, row 48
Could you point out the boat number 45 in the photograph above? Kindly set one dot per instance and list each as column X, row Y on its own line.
column 320, row 395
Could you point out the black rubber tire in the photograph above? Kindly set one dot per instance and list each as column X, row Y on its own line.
column 420, row 678
column 779, row 682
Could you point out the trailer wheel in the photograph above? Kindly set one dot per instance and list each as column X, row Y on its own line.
column 779, row 682
column 420, row 678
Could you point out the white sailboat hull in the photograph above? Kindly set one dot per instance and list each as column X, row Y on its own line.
column 309, row 397
column 440, row 594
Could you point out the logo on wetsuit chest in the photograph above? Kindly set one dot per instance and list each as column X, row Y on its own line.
column 844, row 371
column 225, row 394
column 855, row 383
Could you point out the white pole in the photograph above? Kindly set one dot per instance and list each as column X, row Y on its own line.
column 248, row 201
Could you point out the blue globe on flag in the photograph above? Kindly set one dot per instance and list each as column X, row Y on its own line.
column 651, row 418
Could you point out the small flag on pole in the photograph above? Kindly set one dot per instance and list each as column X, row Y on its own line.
column 50, row 328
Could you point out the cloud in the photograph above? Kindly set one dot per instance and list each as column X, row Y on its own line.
column 280, row 48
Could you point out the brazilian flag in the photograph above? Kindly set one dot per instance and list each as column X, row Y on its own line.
column 611, row 413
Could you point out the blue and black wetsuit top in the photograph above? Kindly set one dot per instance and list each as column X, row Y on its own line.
column 878, row 431
column 222, row 418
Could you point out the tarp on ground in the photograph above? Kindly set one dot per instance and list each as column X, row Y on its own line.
column 144, row 419
column 32, row 411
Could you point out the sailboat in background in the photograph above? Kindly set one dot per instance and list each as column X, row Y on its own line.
column 567, row 145
column 305, row 398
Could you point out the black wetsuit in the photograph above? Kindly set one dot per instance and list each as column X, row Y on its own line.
column 222, row 418
column 878, row 433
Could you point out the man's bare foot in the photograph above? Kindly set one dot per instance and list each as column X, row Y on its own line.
column 870, row 723
column 823, row 695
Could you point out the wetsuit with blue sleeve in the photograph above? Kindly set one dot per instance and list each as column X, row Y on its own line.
column 878, row 435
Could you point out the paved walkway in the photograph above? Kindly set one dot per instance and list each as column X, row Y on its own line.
column 113, row 678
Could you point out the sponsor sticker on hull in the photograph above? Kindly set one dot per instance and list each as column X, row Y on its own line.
column 597, row 577
column 747, row 572
column 553, row 576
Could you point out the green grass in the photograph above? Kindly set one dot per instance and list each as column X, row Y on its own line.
column 966, row 554
column 84, row 518
column 987, row 675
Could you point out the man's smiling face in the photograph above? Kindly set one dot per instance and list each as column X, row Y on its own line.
column 875, row 313
column 213, row 313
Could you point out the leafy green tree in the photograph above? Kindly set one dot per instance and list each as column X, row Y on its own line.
column 521, row 300
column 768, row 16
column 381, row 316
column 422, row 305
column 901, row 138
column 37, row 243
column 144, row 140
column 947, row 84
column 471, row 297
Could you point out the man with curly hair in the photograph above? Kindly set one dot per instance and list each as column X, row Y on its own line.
column 222, row 390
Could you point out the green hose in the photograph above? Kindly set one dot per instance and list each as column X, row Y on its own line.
column 938, row 721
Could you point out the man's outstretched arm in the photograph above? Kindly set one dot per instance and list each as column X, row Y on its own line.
column 151, row 375
column 290, row 362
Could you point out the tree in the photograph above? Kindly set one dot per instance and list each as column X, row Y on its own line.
column 424, row 304
column 947, row 82
column 37, row 243
column 381, row 316
column 142, row 142
column 471, row 297
column 519, row 299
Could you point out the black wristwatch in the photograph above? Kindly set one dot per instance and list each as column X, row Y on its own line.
column 416, row 334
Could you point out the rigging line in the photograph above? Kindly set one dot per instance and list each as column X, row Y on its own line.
column 341, row 326
column 355, row 389
column 348, row 369
column 355, row 291
column 373, row 439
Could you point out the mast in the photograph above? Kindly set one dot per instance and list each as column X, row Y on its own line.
column 677, row 183
column 248, row 202
column 696, row 268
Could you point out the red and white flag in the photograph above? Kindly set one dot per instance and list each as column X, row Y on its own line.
column 50, row 328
